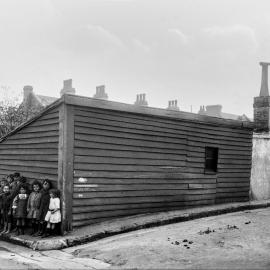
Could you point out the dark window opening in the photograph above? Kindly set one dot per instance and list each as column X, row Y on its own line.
column 211, row 159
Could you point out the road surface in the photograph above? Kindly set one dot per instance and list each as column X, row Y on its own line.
column 238, row 240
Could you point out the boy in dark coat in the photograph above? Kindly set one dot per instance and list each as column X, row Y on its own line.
column 6, row 208
column 44, row 207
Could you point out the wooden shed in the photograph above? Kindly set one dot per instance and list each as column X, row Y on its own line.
column 111, row 159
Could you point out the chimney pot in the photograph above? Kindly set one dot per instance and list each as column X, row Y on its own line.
column 141, row 100
column 173, row 105
column 67, row 88
column 100, row 92
column 27, row 90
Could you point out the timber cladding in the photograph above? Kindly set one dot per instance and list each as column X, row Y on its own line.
column 127, row 163
column 112, row 159
column 33, row 149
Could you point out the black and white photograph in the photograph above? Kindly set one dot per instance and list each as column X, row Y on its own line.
column 134, row 134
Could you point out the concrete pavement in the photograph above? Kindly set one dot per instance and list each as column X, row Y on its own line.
column 127, row 224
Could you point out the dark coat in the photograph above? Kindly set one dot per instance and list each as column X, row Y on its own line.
column 6, row 203
column 21, row 206
column 44, row 204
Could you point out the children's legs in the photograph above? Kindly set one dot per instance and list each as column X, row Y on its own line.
column 47, row 231
column 5, row 227
column 23, row 223
column 19, row 226
column 33, row 226
column 9, row 220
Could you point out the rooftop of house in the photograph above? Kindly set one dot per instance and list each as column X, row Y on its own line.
column 216, row 111
column 45, row 100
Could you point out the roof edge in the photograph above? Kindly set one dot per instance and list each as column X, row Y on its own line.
column 130, row 108
column 28, row 122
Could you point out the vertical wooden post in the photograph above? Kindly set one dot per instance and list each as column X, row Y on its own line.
column 65, row 163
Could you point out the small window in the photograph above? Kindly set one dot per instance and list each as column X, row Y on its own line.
column 211, row 159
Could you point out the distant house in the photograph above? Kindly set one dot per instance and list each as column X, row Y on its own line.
column 216, row 111
column 33, row 102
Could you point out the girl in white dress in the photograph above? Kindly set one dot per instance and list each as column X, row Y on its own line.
column 53, row 215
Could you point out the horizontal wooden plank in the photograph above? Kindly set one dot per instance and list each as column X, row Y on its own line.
column 28, row 141
column 136, row 187
column 141, row 193
column 145, row 175
column 83, row 123
column 233, row 180
column 97, row 208
column 143, row 199
column 129, row 161
column 42, row 122
column 233, row 175
column 88, row 154
column 85, row 132
column 42, row 146
column 30, row 163
column 41, row 134
column 92, row 128
column 29, row 152
column 145, row 181
column 246, row 169
column 130, row 142
column 232, row 189
column 25, row 169
column 201, row 186
column 88, row 146
column 37, row 129
column 27, row 157
column 232, row 194
column 129, row 168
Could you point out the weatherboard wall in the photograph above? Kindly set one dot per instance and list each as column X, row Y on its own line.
column 33, row 149
column 129, row 163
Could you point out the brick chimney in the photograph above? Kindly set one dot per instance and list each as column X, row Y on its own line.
column 213, row 110
column 100, row 92
column 27, row 90
column 173, row 105
column 261, row 105
column 141, row 100
column 67, row 88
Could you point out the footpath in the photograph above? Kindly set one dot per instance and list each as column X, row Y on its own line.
column 126, row 224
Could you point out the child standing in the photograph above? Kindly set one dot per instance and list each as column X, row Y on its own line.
column 6, row 208
column 2, row 184
column 53, row 215
column 11, row 182
column 20, row 209
column 33, row 205
column 44, row 207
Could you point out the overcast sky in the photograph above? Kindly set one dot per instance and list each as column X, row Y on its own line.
column 200, row 52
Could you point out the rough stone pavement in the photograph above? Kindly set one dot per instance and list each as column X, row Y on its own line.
column 117, row 226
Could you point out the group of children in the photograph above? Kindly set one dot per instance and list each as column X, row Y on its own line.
column 23, row 205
